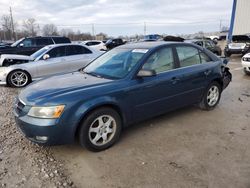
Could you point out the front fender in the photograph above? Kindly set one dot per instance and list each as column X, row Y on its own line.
column 81, row 110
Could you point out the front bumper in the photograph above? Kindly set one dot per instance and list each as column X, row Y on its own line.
column 236, row 51
column 3, row 76
column 246, row 65
column 56, row 133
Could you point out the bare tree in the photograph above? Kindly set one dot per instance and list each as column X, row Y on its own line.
column 7, row 27
column 49, row 30
column 30, row 27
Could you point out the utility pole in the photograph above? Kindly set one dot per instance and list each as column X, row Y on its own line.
column 220, row 25
column 93, row 31
column 12, row 25
column 145, row 28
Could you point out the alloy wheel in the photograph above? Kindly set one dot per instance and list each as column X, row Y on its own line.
column 102, row 130
column 213, row 95
column 19, row 78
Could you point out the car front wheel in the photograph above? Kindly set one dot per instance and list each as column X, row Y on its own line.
column 100, row 129
column 18, row 78
column 246, row 72
column 211, row 97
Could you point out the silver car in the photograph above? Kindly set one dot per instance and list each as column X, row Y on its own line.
column 19, row 70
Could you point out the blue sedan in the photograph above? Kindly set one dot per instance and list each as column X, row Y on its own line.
column 126, row 85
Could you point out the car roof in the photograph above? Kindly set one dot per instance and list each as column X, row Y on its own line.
column 47, row 37
column 66, row 44
column 147, row 45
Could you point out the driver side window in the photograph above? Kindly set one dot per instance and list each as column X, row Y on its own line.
column 160, row 61
column 28, row 42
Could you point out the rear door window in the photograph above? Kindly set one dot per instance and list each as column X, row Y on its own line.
column 188, row 56
column 205, row 58
column 76, row 50
column 160, row 61
column 57, row 52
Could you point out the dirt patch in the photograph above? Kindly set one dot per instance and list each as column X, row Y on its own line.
column 23, row 164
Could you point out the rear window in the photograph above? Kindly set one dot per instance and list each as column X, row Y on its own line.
column 241, row 38
column 61, row 40
column 43, row 41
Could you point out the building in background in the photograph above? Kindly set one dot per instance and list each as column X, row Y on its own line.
column 240, row 18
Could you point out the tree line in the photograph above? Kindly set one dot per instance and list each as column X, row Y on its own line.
column 11, row 31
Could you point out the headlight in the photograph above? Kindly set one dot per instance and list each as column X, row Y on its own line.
column 246, row 59
column 50, row 112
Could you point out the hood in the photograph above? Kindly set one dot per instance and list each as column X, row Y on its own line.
column 247, row 55
column 14, row 56
column 50, row 88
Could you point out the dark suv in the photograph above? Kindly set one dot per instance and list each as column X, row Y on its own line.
column 240, row 45
column 112, row 43
column 29, row 45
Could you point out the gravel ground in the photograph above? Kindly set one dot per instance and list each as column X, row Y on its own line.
column 23, row 164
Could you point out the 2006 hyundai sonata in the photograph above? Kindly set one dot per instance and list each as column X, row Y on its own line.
column 125, row 85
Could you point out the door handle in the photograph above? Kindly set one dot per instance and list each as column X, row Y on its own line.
column 207, row 72
column 174, row 80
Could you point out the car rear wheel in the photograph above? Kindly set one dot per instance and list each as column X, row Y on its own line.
column 100, row 129
column 18, row 78
column 211, row 97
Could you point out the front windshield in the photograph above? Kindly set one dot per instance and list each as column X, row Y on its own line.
column 16, row 43
column 241, row 38
column 39, row 52
column 115, row 64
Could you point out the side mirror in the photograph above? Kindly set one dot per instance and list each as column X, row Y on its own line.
column 146, row 73
column 46, row 56
column 21, row 45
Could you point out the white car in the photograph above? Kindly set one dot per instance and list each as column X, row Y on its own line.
column 20, row 70
column 214, row 37
column 246, row 63
column 97, row 44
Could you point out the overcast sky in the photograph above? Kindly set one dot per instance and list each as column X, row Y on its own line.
column 161, row 16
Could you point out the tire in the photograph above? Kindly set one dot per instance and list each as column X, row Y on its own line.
column 227, row 54
column 246, row 72
column 18, row 78
column 94, row 129
column 213, row 91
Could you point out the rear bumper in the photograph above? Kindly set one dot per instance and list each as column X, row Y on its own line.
column 227, row 77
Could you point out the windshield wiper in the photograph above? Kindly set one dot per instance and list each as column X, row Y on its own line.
column 92, row 74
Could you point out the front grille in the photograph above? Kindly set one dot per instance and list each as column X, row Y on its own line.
column 19, row 106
